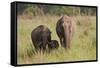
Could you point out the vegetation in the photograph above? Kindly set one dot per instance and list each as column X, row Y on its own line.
column 83, row 45
column 35, row 9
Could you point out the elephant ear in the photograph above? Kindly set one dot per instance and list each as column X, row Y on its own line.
column 59, row 21
column 73, row 23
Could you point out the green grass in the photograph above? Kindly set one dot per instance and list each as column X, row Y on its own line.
column 83, row 45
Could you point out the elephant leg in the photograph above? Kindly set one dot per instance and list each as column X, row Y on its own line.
column 64, row 41
column 61, row 41
column 36, row 48
column 70, row 38
column 43, row 49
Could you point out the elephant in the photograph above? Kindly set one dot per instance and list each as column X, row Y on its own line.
column 65, row 30
column 53, row 45
column 41, row 36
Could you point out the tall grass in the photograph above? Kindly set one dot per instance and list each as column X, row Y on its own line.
column 83, row 45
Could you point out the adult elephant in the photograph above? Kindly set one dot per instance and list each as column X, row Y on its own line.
column 65, row 30
column 41, row 36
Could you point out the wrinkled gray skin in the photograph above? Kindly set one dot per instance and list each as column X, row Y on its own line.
column 41, row 36
column 65, row 30
column 53, row 44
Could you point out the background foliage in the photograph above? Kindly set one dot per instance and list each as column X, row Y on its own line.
column 55, row 10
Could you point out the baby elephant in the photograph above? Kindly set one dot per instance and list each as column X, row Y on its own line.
column 53, row 45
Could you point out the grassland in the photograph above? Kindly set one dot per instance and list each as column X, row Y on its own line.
column 83, row 45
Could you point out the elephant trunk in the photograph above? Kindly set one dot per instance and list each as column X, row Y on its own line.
column 67, row 35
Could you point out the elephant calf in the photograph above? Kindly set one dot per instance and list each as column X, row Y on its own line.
column 40, row 36
column 53, row 45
